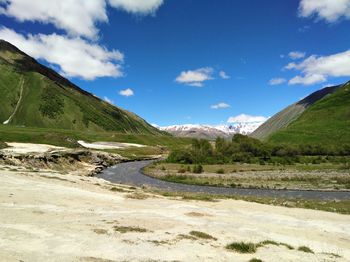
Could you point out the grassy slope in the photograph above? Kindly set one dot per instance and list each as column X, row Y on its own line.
column 327, row 122
column 285, row 117
column 67, row 106
column 64, row 137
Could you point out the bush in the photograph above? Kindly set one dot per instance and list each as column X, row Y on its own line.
column 197, row 169
column 305, row 249
column 182, row 170
column 242, row 247
column 220, row 171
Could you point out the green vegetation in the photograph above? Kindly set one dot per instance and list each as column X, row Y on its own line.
column 255, row 260
column 62, row 104
column 305, row 249
column 323, row 176
column 271, row 242
column 2, row 145
column 242, row 247
column 202, row 235
column 326, row 123
column 68, row 138
column 124, row 229
column 245, row 149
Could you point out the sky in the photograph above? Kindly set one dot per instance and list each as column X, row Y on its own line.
column 188, row 61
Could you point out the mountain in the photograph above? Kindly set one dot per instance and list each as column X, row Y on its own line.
column 322, row 117
column 34, row 95
column 211, row 132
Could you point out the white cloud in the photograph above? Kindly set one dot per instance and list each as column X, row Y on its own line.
column 195, row 77
column 137, row 6
column 108, row 100
column 221, row 105
column 316, row 69
column 277, row 81
column 329, row 10
column 75, row 57
column 243, row 118
column 126, row 92
column 223, row 75
column 307, row 79
column 296, row 55
column 76, row 17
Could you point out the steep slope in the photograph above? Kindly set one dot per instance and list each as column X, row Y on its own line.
column 291, row 113
column 326, row 122
column 35, row 96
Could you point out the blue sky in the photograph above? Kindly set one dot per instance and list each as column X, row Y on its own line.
column 188, row 61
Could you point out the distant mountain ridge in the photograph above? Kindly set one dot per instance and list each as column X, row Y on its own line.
column 34, row 95
column 321, row 118
column 209, row 131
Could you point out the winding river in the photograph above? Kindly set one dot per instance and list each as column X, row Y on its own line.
column 130, row 173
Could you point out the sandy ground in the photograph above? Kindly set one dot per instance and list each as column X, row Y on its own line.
column 53, row 217
column 108, row 145
column 27, row 148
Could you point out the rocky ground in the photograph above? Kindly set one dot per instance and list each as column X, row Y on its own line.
column 53, row 216
column 65, row 160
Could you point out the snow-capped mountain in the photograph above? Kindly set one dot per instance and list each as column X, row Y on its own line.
column 211, row 132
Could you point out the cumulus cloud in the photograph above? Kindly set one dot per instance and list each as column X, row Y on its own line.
column 277, row 81
column 223, row 75
column 243, row 118
column 74, row 56
column 296, row 55
column 137, row 6
column 316, row 69
column 195, row 77
column 126, row 92
column 76, row 17
column 221, row 105
column 329, row 10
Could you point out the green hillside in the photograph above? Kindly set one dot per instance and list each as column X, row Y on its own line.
column 32, row 95
column 325, row 122
column 283, row 118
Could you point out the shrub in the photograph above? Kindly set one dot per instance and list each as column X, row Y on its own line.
column 197, row 169
column 182, row 170
column 220, row 171
column 305, row 249
column 242, row 247
column 203, row 235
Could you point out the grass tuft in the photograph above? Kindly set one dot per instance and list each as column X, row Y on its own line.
column 241, row 247
column 123, row 229
column 202, row 235
column 305, row 249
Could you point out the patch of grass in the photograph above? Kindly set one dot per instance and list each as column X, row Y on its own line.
column 202, row 235
column 305, row 249
column 242, row 247
column 137, row 195
column 220, row 171
column 271, row 242
column 100, row 231
column 124, row 229
column 183, row 236
column 117, row 189
column 255, row 260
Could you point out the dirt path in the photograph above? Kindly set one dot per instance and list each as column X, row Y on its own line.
column 52, row 217
column 18, row 103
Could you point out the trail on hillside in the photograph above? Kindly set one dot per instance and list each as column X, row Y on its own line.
column 18, row 102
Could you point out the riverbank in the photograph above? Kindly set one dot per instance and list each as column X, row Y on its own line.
column 62, row 217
